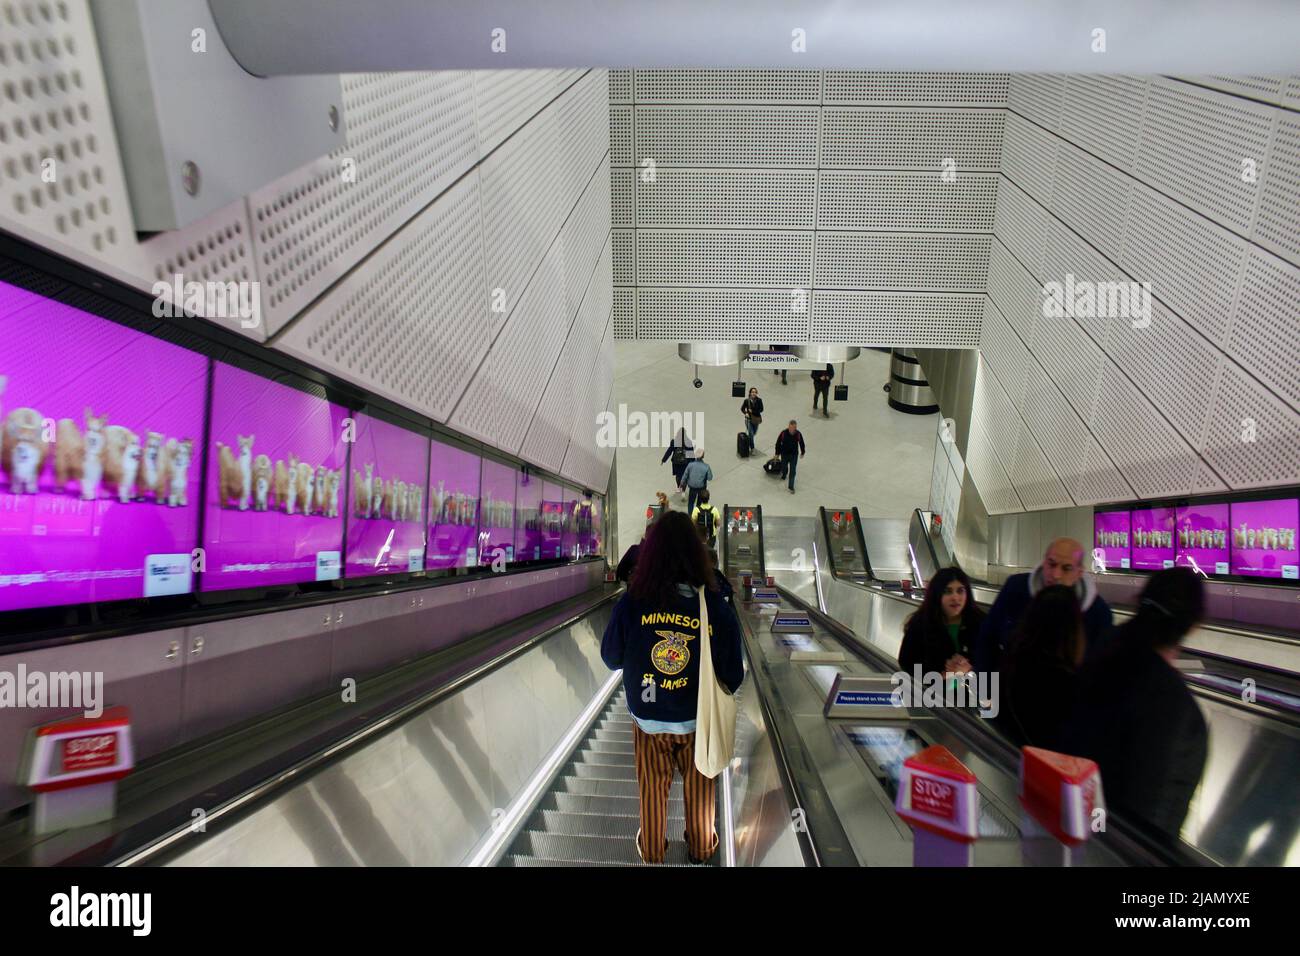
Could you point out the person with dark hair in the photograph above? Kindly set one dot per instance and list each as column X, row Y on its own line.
column 1040, row 672
column 724, row 586
column 937, row 637
column 679, row 450
column 1062, row 564
column 752, row 409
column 822, row 387
column 707, row 519
column 1135, row 716
column 654, row 636
column 790, row 448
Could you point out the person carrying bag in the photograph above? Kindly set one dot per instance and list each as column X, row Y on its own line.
column 752, row 409
column 715, row 709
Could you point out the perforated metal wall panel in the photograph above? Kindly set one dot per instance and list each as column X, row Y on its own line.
column 1071, row 262
column 895, row 319
column 1252, row 438
column 1038, row 97
column 1173, row 365
column 1014, row 291
column 582, row 125
column 1192, row 148
column 914, row 89
column 727, row 136
column 620, row 86
column 1020, row 224
column 1067, row 443
column 1092, row 197
column 624, row 313
column 411, row 321
column 720, row 315
column 1265, row 335
column 1035, row 480
column 906, row 200
column 1029, row 157
column 1103, row 114
column 507, row 99
column 1071, row 358
column 314, row 224
column 983, row 460
column 1269, row 88
column 861, row 137
column 1193, row 265
column 585, row 237
column 500, row 401
column 1154, row 459
column 728, row 199
column 1277, row 222
column 620, row 135
column 56, row 108
column 624, row 257
column 921, row 261
column 727, row 86
column 622, row 207
column 781, row 260
column 1003, row 352
column 997, row 414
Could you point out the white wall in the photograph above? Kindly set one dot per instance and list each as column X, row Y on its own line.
column 466, row 182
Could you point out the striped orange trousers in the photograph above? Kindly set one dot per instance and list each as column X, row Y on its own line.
column 658, row 756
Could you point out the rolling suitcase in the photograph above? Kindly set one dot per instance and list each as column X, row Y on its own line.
column 773, row 466
column 742, row 444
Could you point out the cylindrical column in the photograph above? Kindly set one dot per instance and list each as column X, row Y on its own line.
column 908, row 390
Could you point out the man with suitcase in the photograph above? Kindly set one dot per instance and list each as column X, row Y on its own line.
column 790, row 448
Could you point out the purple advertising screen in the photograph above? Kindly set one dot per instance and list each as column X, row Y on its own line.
column 390, row 467
column 276, row 484
column 497, row 512
column 552, row 520
column 569, row 527
column 1153, row 539
column 101, row 424
column 528, row 516
column 453, row 508
column 1202, row 538
column 580, row 518
column 595, row 532
column 1110, row 540
column 1264, row 538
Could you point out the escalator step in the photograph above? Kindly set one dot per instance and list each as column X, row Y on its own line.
column 599, row 758
column 609, row 746
column 614, row 733
column 604, row 787
column 584, row 824
column 608, row 806
column 535, row 861
column 590, row 849
column 599, row 771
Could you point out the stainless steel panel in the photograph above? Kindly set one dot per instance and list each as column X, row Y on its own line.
column 142, row 672
column 887, row 547
column 250, row 665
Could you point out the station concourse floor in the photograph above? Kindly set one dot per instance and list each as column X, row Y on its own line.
column 866, row 454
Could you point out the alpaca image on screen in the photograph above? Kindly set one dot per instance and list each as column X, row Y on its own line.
column 121, row 460
column 79, row 457
column 306, row 484
column 175, row 471
column 332, row 493
column 151, row 473
column 236, row 474
column 286, row 484
column 320, row 489
column 262, row 487
column 24, row 450
column 399, row 501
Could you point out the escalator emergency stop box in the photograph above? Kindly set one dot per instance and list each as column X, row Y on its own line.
column 1060, row 792
column 937, row 793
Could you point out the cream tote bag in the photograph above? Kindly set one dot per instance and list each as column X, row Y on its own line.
column 715, row 714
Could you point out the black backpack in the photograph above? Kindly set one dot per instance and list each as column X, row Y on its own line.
column 679, row 457
column 704, row 521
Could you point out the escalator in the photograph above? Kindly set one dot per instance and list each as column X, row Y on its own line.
column 589, row 815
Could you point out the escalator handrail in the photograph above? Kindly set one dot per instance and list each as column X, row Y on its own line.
column 256, row 795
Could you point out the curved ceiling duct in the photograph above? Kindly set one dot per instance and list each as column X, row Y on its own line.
column 712, row 354
column 826, row 353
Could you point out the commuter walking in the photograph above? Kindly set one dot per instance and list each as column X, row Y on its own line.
column 752, row 409
column 822, row 387
column 1135, row 715
column 1040, row 676
column 679, row 452
column 654, row 636
column 781, row 372
column 1062, row 564
column 707, row 518
column 696, row 478
column 789, row 448
column 937, row 637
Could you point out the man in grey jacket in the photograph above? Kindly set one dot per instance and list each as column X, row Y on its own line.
column 696, row 477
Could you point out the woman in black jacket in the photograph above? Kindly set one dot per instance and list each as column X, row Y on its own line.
column 1040, row 676
column 937, row 637
column 752, row 409
column 679, row 450
column 1135, row 715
